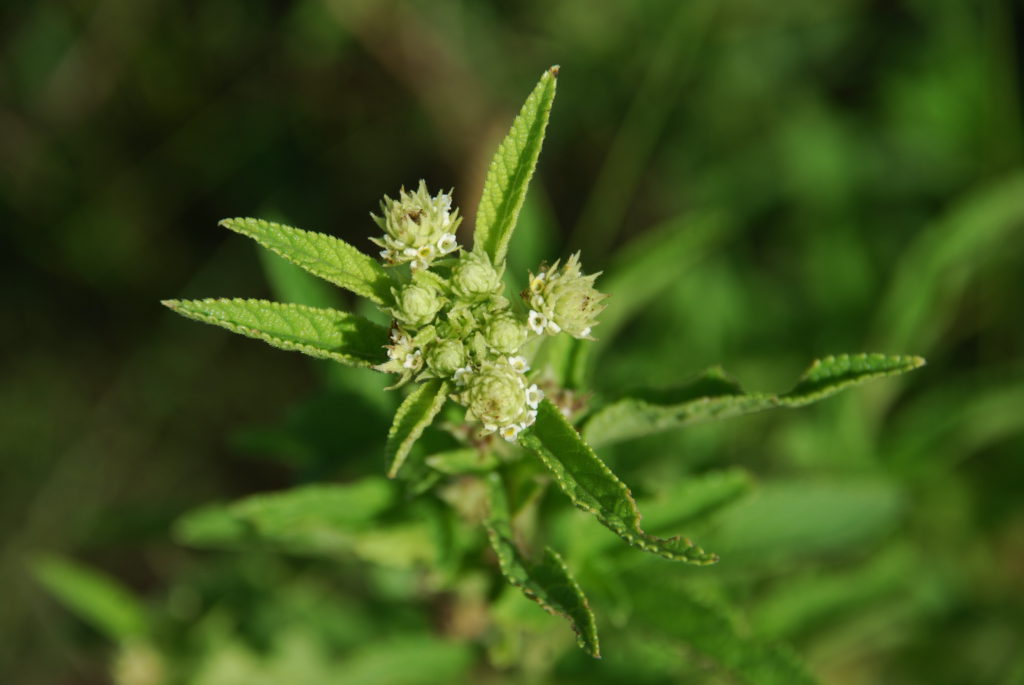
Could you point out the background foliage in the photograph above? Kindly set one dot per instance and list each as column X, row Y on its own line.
column 772, row 182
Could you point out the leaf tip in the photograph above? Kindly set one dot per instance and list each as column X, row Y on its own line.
column 554, row 74
column 173, row 305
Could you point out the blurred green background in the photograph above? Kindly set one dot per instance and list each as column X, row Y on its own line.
column 859, row 163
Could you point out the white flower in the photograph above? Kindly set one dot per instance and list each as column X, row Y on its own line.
column 510, row 432
column 533, row 396
column 411, row 252
column 446, row 243
column 585, row 332
column 386, row 255
column 518, row 364
column 531, row 417
column 489, row 428
column 537, row 322
column 537, row 283
column 413, row 360
column 460, row 375
column 426, row 252
column 554, row 327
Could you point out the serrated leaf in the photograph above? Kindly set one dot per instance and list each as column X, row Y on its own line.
column 412, row 418
column 95, row 597
column 314, row 518
column 714, row 395
column 708, row 629
column 592, row 486
column 327, row 257
column 546, row 582
column 322, row 333
column 511, row 168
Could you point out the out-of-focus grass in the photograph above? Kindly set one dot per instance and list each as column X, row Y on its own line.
column 863, row 162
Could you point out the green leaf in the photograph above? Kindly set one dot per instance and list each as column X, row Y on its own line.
column 322, row 333
column 314, row 518
column 714, row 395
column 327, row 257
column 709, row 630
column 652, row 263
column 592, row 486
column 96, row 598
column 511, row 169
column 548, row 582
column 416, row 413
column 460, row 461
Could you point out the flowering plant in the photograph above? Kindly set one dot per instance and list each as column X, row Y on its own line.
column 492, row 365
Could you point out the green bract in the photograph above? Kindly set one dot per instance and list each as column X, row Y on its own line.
column 456, row 337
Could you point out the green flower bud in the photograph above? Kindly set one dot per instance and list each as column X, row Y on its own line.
column 495, row 396
column 564, row 300
column 417, row 304
column 418, row 228
column 474, row 276
column 445, row 356
column 505, row 333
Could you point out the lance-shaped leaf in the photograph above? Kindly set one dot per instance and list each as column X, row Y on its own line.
column 327, row 257
column 412, row 418
column 95, row 597
column 592, row 486
column 511, row 169
column 714, row 395
column 546, row 582
column 710, row 630
column 312, row 519
column 318, row 332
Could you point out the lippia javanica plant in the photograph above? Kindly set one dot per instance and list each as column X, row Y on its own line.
column 457, row 338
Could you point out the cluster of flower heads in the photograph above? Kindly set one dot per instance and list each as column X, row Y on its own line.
column 452, row 321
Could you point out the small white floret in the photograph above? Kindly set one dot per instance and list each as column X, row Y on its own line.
column 537, row 322
column 510, row 432
column 518, row 364
column 585, row 332
column 447, row 243
column 412, row 360
column 533, row 396
column 554, row 327
column 531, row 417
column 411, row 252
column 460, row 375
column 386, row 255
column 489, row 428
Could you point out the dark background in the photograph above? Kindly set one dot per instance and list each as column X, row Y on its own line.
column 838, row 138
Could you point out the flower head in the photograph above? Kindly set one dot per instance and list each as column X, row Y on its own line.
column 474, row 277
column 564, row 299
column 417, row 228
column 417, row 303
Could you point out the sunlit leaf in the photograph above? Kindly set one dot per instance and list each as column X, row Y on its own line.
column 322, row 333
column 511, row 168
column 96, row 598
column 327, row 257
column 412, row 418
column 546, row 582
column 314, row 518
column 592, row 486
column 714, row 395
